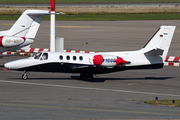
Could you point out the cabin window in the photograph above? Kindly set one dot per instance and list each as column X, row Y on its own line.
column 61, row 57
column 45, row 56
column 68, row 57
column 74, row 57
column 80, row 58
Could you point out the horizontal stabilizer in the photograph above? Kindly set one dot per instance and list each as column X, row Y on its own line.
column 155, row 52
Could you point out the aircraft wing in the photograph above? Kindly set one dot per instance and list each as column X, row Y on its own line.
column 84, row 67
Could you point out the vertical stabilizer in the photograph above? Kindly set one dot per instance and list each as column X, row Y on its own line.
column 28, row 24
column 159, row 44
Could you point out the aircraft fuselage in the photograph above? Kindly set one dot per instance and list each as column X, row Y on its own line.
column 77, row 63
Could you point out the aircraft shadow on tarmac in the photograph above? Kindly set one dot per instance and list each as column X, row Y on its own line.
column 104, row 79
column 99, row 79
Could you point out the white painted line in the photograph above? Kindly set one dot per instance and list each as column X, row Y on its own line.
column 88, row 88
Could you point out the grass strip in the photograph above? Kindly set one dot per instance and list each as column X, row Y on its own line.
column 164, row 102
column 85, row 1
column 96, row 10
column 104, row 17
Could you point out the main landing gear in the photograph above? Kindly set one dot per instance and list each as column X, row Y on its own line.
column 25, row 76
column 86, row 76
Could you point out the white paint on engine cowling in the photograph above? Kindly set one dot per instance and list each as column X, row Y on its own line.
column 108, row 60
column 10, row 41
column 105, row 60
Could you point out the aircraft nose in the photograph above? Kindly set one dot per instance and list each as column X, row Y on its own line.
column 9, row 65
column 17, row 64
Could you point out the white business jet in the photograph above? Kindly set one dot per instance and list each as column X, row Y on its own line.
column 151, row 56
column 22, row 34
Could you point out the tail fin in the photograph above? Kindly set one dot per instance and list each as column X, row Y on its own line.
column 28, row 24
column 158, row 46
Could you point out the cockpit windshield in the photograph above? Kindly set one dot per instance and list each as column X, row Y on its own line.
column 37, row 55
column 41, row 56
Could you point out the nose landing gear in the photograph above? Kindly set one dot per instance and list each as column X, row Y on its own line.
column 25, row 76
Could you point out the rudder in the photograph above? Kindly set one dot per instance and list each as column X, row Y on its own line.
column 159, row 44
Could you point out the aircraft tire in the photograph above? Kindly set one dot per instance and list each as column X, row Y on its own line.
column 89, row 77
column 24, row 76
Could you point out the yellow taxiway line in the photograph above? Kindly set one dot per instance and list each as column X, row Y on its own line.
column 91, row 109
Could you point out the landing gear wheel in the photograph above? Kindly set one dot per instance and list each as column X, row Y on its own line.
column 89, row 77
column 25, row 76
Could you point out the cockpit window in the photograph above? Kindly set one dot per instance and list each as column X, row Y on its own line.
column 37, row 55
column 44, row 56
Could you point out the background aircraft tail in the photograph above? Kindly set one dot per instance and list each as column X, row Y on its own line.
column 28, row 24
column 157, row 48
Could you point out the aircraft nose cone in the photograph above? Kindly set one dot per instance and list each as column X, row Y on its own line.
column 17, row 64
column 14, row 64
column 8, row 65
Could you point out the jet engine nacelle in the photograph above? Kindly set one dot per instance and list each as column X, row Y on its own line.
column 10, row 41
column 108, row 61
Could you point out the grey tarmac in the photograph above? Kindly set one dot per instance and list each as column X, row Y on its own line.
column 117, row 95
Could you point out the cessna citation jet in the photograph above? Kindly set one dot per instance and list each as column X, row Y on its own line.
column 22, row 34
column 151, row 56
